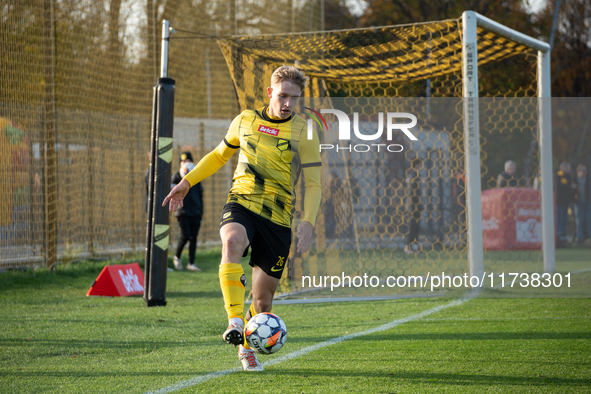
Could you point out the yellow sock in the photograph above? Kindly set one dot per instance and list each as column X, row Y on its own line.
column 233, row 284
column 252, row 314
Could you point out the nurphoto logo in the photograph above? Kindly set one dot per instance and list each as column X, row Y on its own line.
column 344, row 130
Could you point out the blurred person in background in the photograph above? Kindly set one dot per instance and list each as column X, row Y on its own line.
column 188, row 215
column 415, row 207
column 331, row 189
column 583, row 203
column 565, row 196
column 508, row 178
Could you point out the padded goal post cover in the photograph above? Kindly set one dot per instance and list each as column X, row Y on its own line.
column 118, row 281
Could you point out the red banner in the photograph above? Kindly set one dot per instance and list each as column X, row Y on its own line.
column 511, row 219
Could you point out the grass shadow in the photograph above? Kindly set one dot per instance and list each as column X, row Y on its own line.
column 481, row 380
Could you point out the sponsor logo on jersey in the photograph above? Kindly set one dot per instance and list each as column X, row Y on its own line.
column 283, row 145
column 268, row 130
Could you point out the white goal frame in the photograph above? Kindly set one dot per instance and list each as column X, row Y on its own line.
column 470, row 22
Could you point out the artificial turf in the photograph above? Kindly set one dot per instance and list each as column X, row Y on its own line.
column 54, row 339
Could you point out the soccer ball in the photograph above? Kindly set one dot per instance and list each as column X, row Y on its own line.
column 266, row 333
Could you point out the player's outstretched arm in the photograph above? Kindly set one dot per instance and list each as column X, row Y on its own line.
column 212, row 162
column 176, row 195
column 206, row 167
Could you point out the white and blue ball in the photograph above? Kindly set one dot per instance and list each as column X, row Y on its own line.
column 265, row 333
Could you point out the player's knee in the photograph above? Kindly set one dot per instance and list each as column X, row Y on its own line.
column 233, row 244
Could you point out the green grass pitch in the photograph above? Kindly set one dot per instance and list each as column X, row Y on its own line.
column 54, row 339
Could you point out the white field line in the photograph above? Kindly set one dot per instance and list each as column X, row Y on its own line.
column 298, row 353
column 507, row 318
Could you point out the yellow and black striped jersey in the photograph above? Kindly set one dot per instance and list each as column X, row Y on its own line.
column 273, row 153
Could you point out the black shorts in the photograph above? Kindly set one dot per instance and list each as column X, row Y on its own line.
column 269, row 242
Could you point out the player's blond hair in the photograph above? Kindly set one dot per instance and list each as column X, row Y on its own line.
column 290, row 74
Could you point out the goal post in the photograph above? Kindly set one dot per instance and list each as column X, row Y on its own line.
column 470, row 23
column 472, row 144
column 545, row 141
column 158, row 220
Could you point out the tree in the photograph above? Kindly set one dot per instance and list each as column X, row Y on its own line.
column 571, row 52
column 337, row 15
column 571, row 77
column 513, row 76
column 114, row 12
column 511, row 13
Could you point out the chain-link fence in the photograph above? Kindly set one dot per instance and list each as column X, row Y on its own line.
column 76, row 82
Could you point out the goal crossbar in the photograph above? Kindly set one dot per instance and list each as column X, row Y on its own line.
column 504, row 31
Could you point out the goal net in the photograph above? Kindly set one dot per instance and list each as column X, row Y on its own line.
column 380, row 217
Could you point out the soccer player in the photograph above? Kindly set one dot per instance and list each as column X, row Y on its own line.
column 274, row 150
